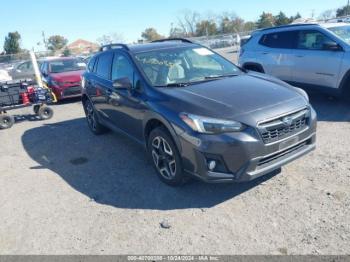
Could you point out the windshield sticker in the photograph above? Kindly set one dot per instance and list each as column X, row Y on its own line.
column 203, row 51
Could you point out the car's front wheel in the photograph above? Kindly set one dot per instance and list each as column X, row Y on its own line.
column 92, row 119
column 165, row 157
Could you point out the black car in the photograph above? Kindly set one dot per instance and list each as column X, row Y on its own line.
column 196, row 113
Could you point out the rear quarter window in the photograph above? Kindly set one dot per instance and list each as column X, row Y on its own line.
column 283, row 40
column 91, row 64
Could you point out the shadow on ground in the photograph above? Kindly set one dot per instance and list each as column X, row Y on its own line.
column 113, row 170
column 329, row 108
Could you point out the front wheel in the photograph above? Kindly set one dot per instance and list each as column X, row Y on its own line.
column 165, row 157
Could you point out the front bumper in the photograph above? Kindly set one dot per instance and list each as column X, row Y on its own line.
column 66, row 92
column 243, row 156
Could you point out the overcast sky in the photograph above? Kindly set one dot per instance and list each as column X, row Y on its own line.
column 90, row 19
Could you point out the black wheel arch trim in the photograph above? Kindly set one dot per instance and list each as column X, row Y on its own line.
column 169, row 126
column 254, row 64
column 345, row 80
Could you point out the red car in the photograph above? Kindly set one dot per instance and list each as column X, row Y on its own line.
column 63, row 76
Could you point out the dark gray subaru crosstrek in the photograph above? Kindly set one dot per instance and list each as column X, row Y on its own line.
column 196, row 113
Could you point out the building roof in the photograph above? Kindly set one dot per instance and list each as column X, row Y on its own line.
column 81, row 43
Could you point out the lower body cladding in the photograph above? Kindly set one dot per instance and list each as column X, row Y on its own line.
column 66, row 92
column 242, row 157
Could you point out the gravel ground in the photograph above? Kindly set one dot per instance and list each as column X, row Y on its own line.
column 65, row 191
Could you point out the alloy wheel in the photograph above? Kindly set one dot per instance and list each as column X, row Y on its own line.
column 163, row 158
column 90, row 116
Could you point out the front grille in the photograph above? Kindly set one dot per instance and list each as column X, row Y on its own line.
column 71, row 91
column 284, row 127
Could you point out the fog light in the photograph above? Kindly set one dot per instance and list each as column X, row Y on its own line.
column 211, row 165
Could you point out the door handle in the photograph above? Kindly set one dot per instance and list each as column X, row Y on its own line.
column 300, row 56
column 265, row 53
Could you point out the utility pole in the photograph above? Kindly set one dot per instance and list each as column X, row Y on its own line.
column 347, row 8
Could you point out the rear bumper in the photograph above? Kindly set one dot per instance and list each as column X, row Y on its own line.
column 242, row 157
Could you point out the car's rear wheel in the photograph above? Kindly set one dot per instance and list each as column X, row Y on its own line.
column 165, row 157
column 92, row 119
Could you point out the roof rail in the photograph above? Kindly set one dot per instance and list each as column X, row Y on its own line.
column 287, row 26
column 113, row 46
column 184, row 40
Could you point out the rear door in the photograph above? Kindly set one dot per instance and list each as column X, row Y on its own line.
column 277, row 54
column 102, row 84
column 314, row 65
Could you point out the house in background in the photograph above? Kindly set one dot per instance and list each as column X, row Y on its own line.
column 82, row 46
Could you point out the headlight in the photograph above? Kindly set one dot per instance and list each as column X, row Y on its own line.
column 208, row 125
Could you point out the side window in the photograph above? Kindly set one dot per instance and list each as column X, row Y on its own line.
column 312, row 40
column 91, row 64
column 122, row 68
column 283, row 40
column 104, row 65
column 24, row 66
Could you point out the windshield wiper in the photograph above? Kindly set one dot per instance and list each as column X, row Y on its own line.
column 214, row 77
column 175, row 85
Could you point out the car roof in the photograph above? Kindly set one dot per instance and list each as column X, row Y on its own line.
column 300, row 26
column 153, row 46
column 330, row 25
column 60, row 59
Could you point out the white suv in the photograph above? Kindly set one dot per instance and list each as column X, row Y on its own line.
column 315, row 56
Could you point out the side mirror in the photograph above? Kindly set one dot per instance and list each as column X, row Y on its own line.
column 332, row 46
column 122, row 83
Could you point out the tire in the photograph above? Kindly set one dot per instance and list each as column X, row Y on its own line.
column 92, row 120
column 45, row 113
column 6, row 121
column 36, row 109
column 165, row 157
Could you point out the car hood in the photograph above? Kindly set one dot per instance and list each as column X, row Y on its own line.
column 71, row 76
column 248, row 98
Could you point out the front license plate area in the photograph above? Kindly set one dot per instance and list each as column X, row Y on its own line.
column 288, row 143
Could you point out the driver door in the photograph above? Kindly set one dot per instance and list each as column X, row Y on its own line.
column 313, row 64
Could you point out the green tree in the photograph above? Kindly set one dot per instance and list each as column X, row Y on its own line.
column 56, row 42
column 231, row 25
column 67, row 52
column 293, row 18
column 343, row 11
column 282, row 19
column 249, row 26
column 266, row 20
column 12, row 43
column 151, row 34
column 206, row 27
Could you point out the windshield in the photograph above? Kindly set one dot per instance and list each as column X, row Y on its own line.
column 61, row 66
column 343, row 32
column 175, row 67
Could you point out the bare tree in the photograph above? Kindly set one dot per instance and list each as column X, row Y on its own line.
column 328, row 14
column 188, row 22
column 111, row 38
